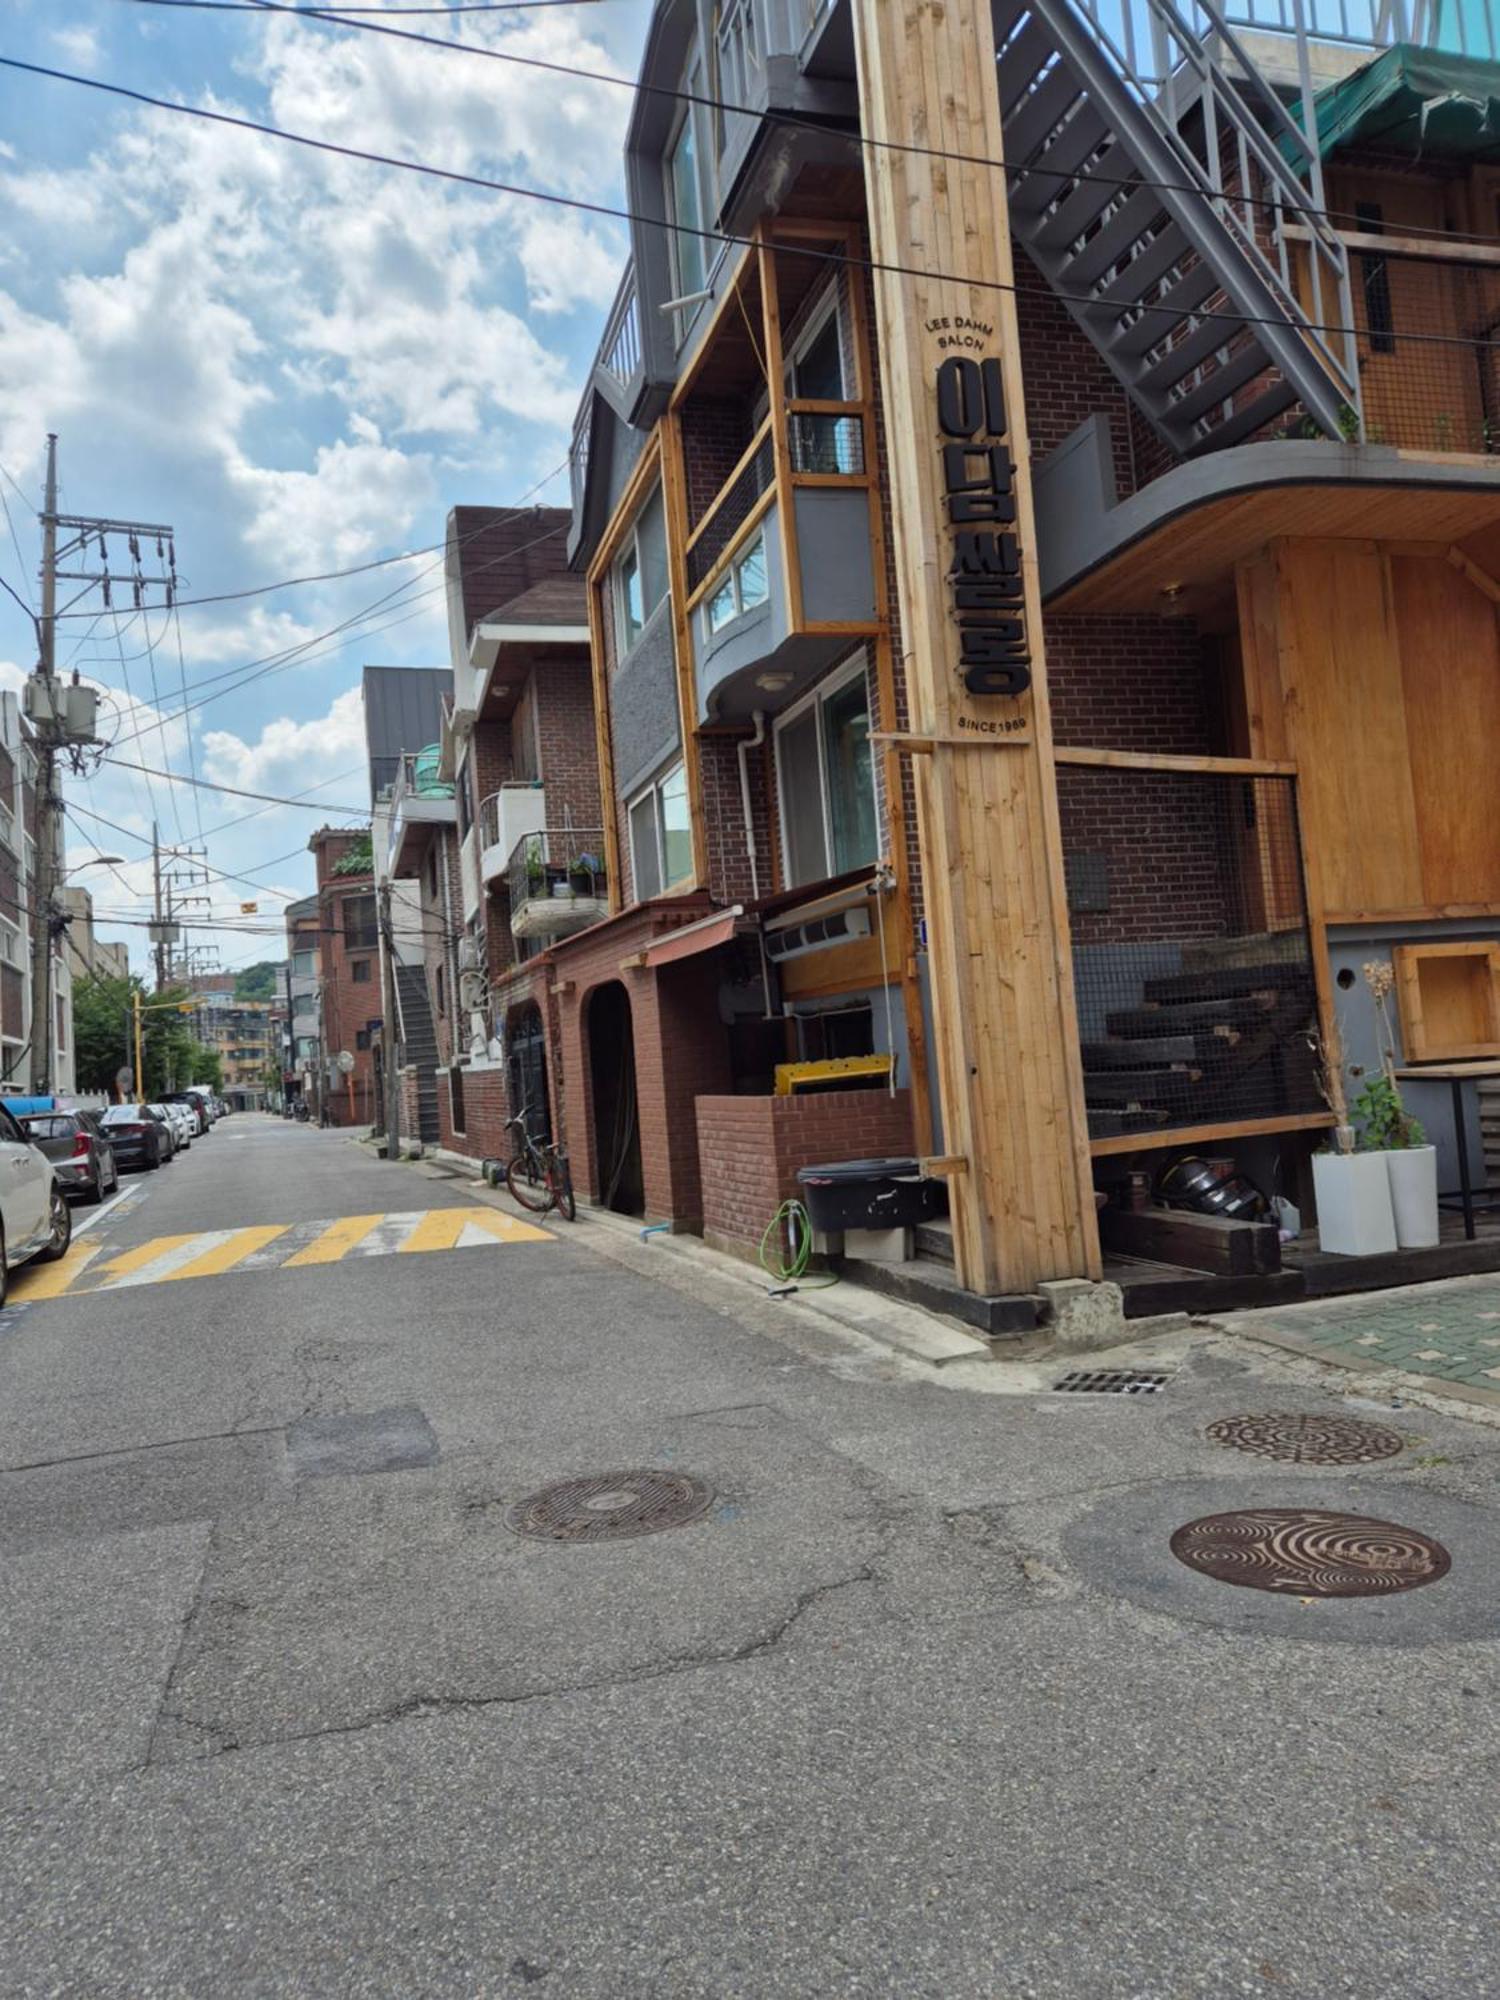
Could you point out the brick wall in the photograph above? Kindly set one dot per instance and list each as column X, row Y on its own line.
column 483, row 1135
column 1162, row 840
column 501, row 551
column 750, row 1148
column 567, row 744
column 716, row 434
column 1129, row 684
column 724, row 816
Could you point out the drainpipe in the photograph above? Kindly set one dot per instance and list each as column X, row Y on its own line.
column 751, row 743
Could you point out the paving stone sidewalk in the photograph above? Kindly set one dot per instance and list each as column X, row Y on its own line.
column 1450, row 1331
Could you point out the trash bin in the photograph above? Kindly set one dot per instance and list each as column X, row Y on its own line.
column 869, row 1194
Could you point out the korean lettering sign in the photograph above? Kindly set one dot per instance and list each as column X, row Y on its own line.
column 984, row 574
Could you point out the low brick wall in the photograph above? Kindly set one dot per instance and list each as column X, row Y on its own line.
column 485, row 1112
column 749, row 1150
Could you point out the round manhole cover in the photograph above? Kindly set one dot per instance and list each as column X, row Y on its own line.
column 1304, row 1438
column 611, row 1506
column 1304, row 1553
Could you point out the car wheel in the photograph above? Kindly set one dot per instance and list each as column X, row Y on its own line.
column 62, row 1230
column 4, row 1270
column 96, row 1193
column 153, row 1161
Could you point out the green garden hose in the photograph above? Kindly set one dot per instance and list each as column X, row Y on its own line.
column 789, row 1272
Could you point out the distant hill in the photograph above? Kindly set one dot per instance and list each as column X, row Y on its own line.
column 259, row 982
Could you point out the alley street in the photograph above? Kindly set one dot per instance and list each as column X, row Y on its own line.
column 918, row 1704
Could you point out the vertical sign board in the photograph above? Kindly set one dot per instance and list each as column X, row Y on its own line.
column 1006, row 1039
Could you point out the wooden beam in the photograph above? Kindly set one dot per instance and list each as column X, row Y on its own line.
column 674, row 498
column 1004, row 1011
column 1203, row 1135
column 781, row 448
column 1146, row 760
column 942, row 1166
column 1395, row 245
column 604, row 747
column 1480, row 578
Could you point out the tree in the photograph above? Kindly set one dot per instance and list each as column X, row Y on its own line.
column 104, row 1037
column 261, row 981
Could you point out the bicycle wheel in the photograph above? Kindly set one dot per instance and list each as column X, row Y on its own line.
column 527, row 1190
column 561, row 1181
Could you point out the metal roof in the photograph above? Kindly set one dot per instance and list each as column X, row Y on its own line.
column 403, row 711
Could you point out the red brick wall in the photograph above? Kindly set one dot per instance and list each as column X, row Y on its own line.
column 1129, row 684
column 567, row 745
column 750, row 1148
column 716, row 434
column 483, row 1135
column 1164, row 837
column 501, row 551
column 724, row 816
column 346, row 1006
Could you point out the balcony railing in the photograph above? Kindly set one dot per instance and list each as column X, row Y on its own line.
column 732, row 506
column 418, row 796
column 620, row 348
column 557, row 882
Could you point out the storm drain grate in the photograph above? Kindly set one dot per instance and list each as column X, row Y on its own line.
column 1304, row 1553
column 611, row 1506
column 1299, row 1437
column 1110, row 1382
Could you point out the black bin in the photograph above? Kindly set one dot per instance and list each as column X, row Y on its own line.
column 869, row 1194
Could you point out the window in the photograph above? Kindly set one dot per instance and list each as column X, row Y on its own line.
column 640, row 573
column 440, row 1007
column 359, row 922
column 361, row 1038
column 456, row 1096
column 465, row 793
column 743, row 588
column 826, row 777
column 359, row 971
column 1375, row 277
column 685, row 200
column 432, row 871
column 815, row 365
column 304, row 965
column 661, row 836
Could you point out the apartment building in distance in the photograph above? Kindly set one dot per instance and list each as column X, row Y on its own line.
column 348, row 980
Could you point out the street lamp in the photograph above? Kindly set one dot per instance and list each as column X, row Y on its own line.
column 96, row 861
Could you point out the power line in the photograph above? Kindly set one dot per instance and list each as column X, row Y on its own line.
column 340, row 17
column 207, row 785
column 192, row 753
column 1096, row 301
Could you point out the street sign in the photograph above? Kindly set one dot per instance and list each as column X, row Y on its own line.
column 345, row 1061
column 125, row 1080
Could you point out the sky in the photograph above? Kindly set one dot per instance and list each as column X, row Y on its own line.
column 299, row 363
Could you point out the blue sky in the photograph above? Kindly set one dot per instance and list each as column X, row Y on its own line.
column 299, row 362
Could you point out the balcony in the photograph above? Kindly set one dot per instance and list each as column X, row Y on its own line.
column 506, row 817
column 557, row 883
column 420, row 800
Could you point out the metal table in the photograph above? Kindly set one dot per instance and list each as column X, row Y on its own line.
column 1457, row 1074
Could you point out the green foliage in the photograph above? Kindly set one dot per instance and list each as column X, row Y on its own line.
column 1348, row 423
column 360, row 860
column 104, row 1037
column 261, row 981
column 1385, row 1125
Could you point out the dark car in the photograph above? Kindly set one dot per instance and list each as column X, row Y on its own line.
column 194, row 1104
column 137, row 1136
column 83, row 1159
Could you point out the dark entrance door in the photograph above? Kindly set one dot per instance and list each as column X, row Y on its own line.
column 528, row 1072
column 617, row 1135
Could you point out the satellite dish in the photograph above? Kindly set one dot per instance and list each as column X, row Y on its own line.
column 345, row 1062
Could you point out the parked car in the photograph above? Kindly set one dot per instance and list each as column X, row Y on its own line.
column 78, row 1147
column 139, row 1136
column 192, row 1102
column 184, row 1119
column 35, row 1220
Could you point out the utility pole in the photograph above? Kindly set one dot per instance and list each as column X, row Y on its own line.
column 158, row 929
column 43, row 916
column 390, row 1071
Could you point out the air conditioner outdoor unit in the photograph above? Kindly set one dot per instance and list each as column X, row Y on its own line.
column 473, row 989
column 468, row 954
column 798, row 939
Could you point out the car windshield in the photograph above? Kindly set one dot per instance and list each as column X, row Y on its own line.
column 50, row 1128
column 125, row 1114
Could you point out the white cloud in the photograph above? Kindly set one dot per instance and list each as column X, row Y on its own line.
column 360, row 496
column 79, row 44
column 286, row 750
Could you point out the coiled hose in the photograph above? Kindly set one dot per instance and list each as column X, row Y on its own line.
column 788, row 1272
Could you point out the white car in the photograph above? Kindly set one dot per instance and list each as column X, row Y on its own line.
column 35, row 1220
column 184, row 1124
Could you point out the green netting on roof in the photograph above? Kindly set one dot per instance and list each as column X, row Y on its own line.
column 1426, row 102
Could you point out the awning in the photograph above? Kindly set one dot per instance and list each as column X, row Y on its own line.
column 706, row 935
column 1429, row 103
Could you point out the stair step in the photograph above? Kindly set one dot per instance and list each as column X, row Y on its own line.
column 1021, row 61
column 1036, row 116
column 1063, row 157
column 1152, row 1089
column 1107, row 1124
column 1177, row 302
column 1151, row 1051
column 1198, row 345
column 1111, row 243
column 1248, row 418
column 1226, row 983
column 1243, row 365
column 1233, row 1017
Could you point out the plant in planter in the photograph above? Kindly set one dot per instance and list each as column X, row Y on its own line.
column 1353, row 1189
column 1388, row 1128
column 536, row 873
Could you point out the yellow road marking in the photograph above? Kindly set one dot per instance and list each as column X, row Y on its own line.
column 50, row 1281
column 505, row 1228
column 147, row 1253
column 439, row 1229
column 224, row 1256
column 337, row 1238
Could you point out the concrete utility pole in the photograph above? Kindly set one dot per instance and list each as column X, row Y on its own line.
column 980, row 741
column 390, row 1073
column 43, row 915
column 158, row 931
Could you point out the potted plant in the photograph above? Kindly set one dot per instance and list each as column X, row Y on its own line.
column 536, row 873
column 582, row 873
column 1353, row 1189
column 1388, row 1128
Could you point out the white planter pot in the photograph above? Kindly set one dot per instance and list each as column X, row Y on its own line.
column 1355, row 1218
column 1414, row 1196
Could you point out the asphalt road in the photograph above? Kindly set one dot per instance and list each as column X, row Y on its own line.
column 922, row 1704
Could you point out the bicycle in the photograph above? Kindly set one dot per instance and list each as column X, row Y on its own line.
column 538, row 1176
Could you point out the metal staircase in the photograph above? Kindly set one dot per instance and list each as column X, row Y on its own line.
column 1133, row 137
column 420, row 1044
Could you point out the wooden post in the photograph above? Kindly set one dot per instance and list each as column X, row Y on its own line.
column 1005, row 1019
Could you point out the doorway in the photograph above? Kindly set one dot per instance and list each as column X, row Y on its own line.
column 617, row 1130
column 526, row 1042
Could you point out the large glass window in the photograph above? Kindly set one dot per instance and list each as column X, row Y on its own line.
column 743, row 588
column 640, row 573
column 826, row 777
column 689, row 261
column 661, row 835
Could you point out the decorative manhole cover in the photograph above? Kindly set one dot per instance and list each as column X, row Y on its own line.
column 1306, row 1553
column 611, row 1506
column 1307, row 1439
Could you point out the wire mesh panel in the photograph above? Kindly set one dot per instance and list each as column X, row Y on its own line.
column 1191, row 954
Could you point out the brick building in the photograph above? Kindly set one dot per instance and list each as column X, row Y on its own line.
column 348, row 992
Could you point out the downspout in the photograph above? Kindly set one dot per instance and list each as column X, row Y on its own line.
column 753, row 743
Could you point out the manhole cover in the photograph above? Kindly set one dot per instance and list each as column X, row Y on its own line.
column 1110, row 1382
column 1305, row 1553
column 611, row 1506
column 1307, row 1439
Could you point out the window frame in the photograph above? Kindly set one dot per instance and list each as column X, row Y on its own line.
column 731, row 580
column 705, row 176
column 653, row 791
column 828, row 306
column 816, row 697
column 631, row 550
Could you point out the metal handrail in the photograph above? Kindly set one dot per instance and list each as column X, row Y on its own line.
column 538, row 861
column 488, row 815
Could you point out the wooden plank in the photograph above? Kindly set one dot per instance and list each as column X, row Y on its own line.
column 1147, row 760
column 1419, row 913
column 1448, row 995
column 1230, row 1248
column 1450, row 664
column 604, row 747
column 770, row 299
column 991, row 848
column 1217, row 1017
column 1204, row 1135
column 674, row 501
column 722, row 495
column 1481, row 579
column 1420, row 248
